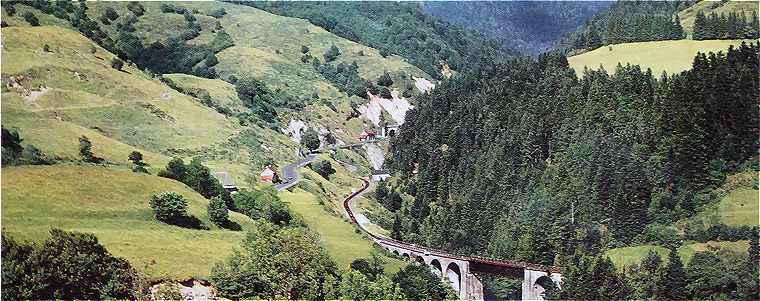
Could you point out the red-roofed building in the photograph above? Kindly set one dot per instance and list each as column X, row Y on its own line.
column 269, row 175
column 367, row 135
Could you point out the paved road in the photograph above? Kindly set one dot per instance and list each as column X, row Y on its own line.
column 290, row 171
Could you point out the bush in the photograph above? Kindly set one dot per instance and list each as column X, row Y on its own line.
column 111, row 14
column 46, row 48
column 31, row 18
column 117, row 63
column 85, row 151
column 217, row 212
column 417, row 282
column 136, row 8
column 310, row 139
column 168, row 207
column 304, row 49
column 169, row 291
column 10, row 9
column 69, row 265
column 332, row 53
column 323, row 168
column 263, row 204
column 385, row 80
column 218, row 13
column 34, row 156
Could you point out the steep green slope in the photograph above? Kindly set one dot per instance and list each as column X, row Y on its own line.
column 113, row 204
column 669, row 56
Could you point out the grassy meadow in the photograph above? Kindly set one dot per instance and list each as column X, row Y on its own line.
column 668, row 56
column 113, row 205
column 339, row 237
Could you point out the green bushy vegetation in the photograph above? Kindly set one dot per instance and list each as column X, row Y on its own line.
column 68, row 265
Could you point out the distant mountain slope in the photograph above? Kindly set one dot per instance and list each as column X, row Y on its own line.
column 531, row 27
column 404, row 29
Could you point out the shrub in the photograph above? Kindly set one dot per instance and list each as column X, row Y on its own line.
column 31, row 18
column 111, row 14
column 385, row 93
column 304, row 49
column 3, row 24
column 93, row 49
column 218, row 13
column 136, row 8
column 332, row 53
column 10, row 9
column 33, row 155
column 323, row 168
column 189, row 17
column 168, row 207
column 69, row 265
column 310, row 139
column 46, row 48
column 217, row 212
column 117, row 63
column 85, row 151
column 167, row 8
column 385, row 80
column 169, row 291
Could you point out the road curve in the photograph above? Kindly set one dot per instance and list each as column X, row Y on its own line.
column 384, row 240
column 290, row 172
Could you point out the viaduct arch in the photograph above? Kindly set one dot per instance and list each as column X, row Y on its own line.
column 461, row 271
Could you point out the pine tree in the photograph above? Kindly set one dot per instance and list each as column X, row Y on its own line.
column 700, row 26
column 677, row 32
column 672, row 282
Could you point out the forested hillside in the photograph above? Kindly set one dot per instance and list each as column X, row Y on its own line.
column 397, row 28
column 629, row 21
column 528, row 27
column 562, row 163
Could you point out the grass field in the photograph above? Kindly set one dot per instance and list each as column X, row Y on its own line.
column 113, row 204
column 628, row 256
column 669, row 56
column 340, row 238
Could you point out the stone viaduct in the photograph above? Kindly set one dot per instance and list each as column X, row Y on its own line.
column 462, row 271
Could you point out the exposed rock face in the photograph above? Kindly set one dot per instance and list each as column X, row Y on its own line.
column 190, row 290
column 423, row 85
column 295, row 129
column 396, row 107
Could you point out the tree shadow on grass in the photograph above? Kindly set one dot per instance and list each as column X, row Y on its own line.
column 231, row 225
column 188, row 221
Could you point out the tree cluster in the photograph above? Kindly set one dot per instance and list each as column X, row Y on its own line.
column 68, row 265
column 323, row 168
column 289, row 263
column 13, row 153
column 198, row 177
column 263, row 204
column 629, row 21
column 731, row 26
column 345, row 77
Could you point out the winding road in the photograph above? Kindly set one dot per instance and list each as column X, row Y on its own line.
column 290, row 176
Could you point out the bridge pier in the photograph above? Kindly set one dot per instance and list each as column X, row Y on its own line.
column 534, row 282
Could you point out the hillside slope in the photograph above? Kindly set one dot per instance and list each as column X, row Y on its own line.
column 669, row 56
column 113, row 204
